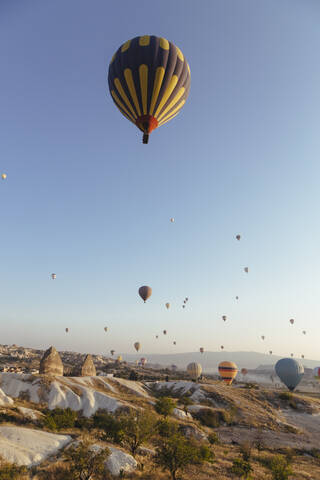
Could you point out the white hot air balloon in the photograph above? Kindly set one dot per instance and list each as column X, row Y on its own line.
column 194, row 369
column 172, row 220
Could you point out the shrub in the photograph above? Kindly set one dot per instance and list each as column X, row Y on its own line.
column 241, row 468
column 86, row 462
column 186, row 402
column 280, row 468
column 60, row 418
column 213, row 438
column 206, row 454
column 9, row 471
column 212, row 418
column 133, row 375
column 165, row 428
column 137, row 428
column 289, row 398
column 165, row 406
column 111, row 425
column 245, row 451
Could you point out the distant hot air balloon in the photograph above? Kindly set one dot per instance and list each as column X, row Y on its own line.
column 238, row 237
column 222, row 347
column 167, row 305
column 67, row 330
column 172, row 220
column 105, row 329
column 201, row 349
column 291, row 321
column 246, row 269
column 316, row 373
column 164, row 332
column 183, row 306
column 4, row 176
column 244, row 371
column 290, row 372
column 174, row 368
column 157, row 336
column 304, row 332
column 186, row 299
column 263, row 337
column 145, row 292
column 174, row 343
column 137, row 346
column 224, row 317
column 112, row 352
column 302, row 356
column 228, row 371
column 119, row 359
column 291, row 354
column 270, row 352
column 237, row 298
column 53, row 276
column 143, row 361
column 149, row 80
column 194, row 370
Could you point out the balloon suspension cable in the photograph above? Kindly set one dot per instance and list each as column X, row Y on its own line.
column 145, row 138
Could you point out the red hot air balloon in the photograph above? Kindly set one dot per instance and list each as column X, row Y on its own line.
column 145, row 292
column 149, row 80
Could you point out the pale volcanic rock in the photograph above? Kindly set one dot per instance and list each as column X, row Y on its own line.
column 88, row 369
column 51, row 363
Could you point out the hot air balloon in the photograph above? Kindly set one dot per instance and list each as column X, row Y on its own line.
column 304, row 332
column 222, row 347
column 167, row 305
column 149, row 80
column 316, row 373
column 194, row 370
column 183, row 306
column 119, row 359
column 67, row 330
column 263, row 337
column 143, row 361
column 270, row 352
column 291, row 354
column 145, row 292
column 228, row 371
column 112, row 352
column 105, row 329
column 186, row 299
column 244, row 371
column 172, row 220
column 174, row 368
column 201, row 349
column 238, row 237
column 246, row 269
column 137, row 346
column 224, row 317
column 302, row 356
column 53, row 276
column 164, row 332
column 174, row 343
column 157, row 336
column 291, row 321
column 237, row 298
column 4, row 176
column 290, row 372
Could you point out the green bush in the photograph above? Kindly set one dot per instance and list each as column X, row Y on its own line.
column 111, row 425
column 289, row 398
column 212, row 418
column 280, row 468
column 245, row 451
column 205, row 454
column 213, row 438
column 186, row 402
column 165, row 428
column 241, row 468
column 137, row 428
column 165, row 406
column 60, row 418
column 86, row 462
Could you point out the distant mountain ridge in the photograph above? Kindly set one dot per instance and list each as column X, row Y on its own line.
column 211, row 360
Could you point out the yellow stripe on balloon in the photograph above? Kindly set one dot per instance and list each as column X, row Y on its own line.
column 143, row 73
column 172, row 84
column 172, row 104
column 120, row 104
column 164, row 43
column 144, row 40
column 132, row 89
column 125, row 46
column 124, row 96
column 156, row 87
column 173, row 111
column 167, row 119
column 180, row 54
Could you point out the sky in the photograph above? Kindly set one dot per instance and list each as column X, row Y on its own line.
column 85, row 199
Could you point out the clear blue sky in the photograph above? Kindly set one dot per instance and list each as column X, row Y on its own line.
column 85, row 199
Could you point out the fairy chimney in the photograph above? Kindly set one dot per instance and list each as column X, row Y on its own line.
column 88, row 369
column 51, row 363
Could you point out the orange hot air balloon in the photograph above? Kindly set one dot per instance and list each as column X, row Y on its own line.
column 291, row 321
column 201, row 349
column 228, row 371
column 145, row 292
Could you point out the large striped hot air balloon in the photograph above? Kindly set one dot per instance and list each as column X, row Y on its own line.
column 194, row 369
column 228, row 371
column 149, row 80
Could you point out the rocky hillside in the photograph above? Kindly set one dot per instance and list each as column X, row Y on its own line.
column 217, row 416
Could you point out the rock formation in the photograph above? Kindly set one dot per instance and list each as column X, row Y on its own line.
column 88, row 369
column 51, row 363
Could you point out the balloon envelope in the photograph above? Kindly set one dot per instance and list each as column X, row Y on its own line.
column 105, row 329
column 238, row 237
column 244, row 371
column 164, row 332
column 194, row 369
column 4, row 176
column 145, row 292
column 112, row 352
column 137, row 346
column 291, row 321
column 149, row 81
column 201, row 349
column 290, row 372
column 53, row 276
column 168, row 305
column 228, row 371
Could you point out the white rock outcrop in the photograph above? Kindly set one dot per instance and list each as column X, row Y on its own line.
column 5, row 401
column 120, row 461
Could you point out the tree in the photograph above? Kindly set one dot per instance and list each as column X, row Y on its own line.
column 59, row 418
column 137, row 428
column 176, row 452
column 186, row 402
column 111, row 425
column 86, row 462
column 242, row 468
column 280, row 468
column 165, row 406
